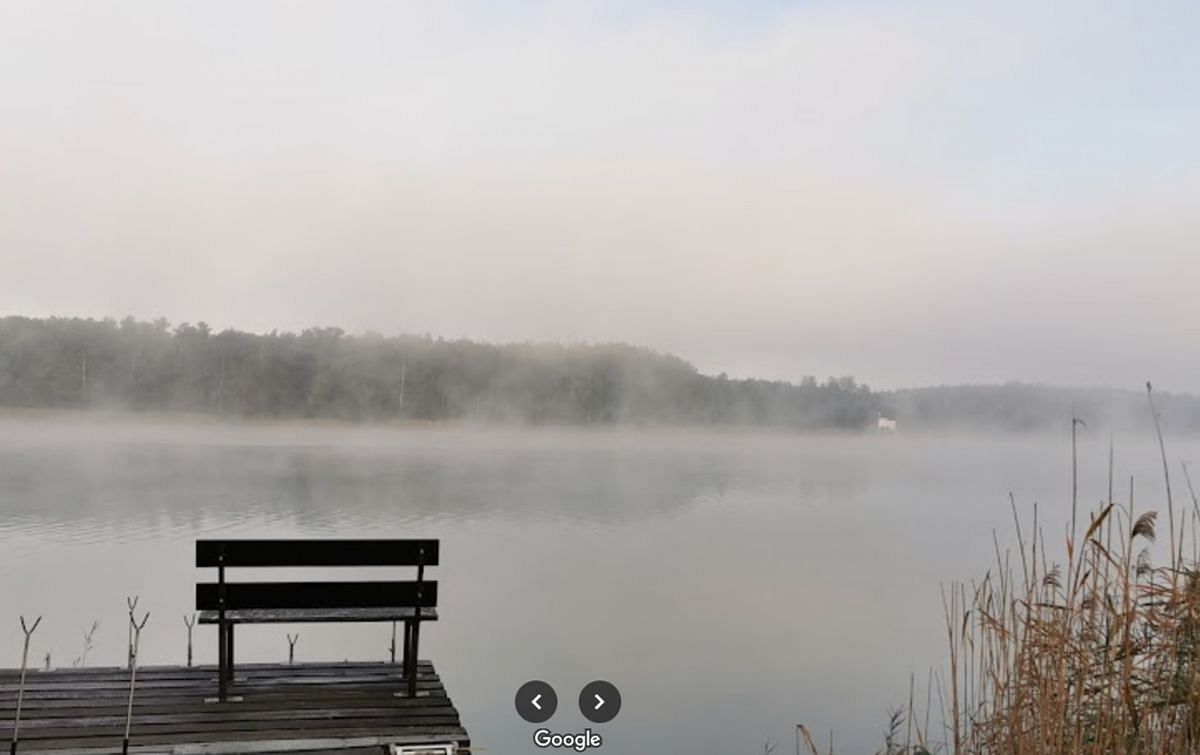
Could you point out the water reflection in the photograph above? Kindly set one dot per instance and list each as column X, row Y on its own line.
column 76, row 493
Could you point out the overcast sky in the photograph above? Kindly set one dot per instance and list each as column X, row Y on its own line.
column 909, row 192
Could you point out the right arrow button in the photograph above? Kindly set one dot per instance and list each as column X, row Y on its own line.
column 600, row 702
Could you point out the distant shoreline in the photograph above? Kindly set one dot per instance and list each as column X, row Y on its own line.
column 115, row 419
column 169, row 418
column 324, row 376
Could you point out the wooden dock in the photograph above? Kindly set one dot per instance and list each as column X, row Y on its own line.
column 306, row 708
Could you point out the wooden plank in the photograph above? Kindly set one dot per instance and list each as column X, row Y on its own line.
column 306, row 615
column 250, row 682
column 323, row 746
column 63, row 699
column 50, row 680
column 94, row 695
column 393, row 733
column 281, row 693
column 251, row 707
column 283, row 553
column 108, row 727
column 259, row 746
column 312, row 746
column 183, row 686
column 249, row 667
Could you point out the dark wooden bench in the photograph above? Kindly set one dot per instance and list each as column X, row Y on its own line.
column 228, row 604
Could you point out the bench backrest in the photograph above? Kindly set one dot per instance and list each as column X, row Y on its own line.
column 224, row 595
column 282, row 553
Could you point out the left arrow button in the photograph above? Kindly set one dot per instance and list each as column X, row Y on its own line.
column 536, row 701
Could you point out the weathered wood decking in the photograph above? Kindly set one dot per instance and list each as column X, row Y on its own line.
column 317, row 707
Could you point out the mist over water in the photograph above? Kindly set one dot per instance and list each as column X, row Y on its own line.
column 730, row 583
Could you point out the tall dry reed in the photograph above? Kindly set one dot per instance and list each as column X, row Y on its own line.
column 1084, row 645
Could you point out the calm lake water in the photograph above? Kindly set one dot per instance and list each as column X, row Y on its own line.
column 730, row 584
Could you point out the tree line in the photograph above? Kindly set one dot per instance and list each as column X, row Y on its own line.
column 327, row 373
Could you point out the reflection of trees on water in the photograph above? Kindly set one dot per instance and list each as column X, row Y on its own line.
column 203, row 487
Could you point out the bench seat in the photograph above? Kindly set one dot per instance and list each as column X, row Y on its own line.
column 303, row 615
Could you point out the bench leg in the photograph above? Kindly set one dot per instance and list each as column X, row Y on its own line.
column 222, row 692
column 229, row 655
column 412, row 674
column 406, row 648
column 409, row 661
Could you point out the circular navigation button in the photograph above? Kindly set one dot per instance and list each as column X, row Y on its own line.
column 536, row 702
column 600, row 702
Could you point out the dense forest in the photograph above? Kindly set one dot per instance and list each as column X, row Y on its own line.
column 325, row 373
column 73, row 363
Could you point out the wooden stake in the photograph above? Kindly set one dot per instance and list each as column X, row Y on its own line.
column 132, row 603
column 190, row 623
column 135, row 629
column 21, row 686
